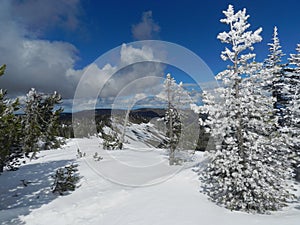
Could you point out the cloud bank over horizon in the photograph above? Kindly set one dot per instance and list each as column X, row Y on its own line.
column 46, row 65
column 33, row 61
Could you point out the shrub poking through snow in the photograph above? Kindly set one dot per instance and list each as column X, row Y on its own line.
column 111, row 141
column 80, row 154
column 65, row 179
column 97, row 157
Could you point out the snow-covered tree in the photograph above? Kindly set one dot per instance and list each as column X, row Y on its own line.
column 292, row 127
column 51, row 115
column 31, row 122
column 291, row 91
column 275, row 53
column 178, row 100
column 111, row 140
column 10, row 131
column 41, row 122
column 172, row 118
column 65, row 179
column 276, row 72
column 248, row 167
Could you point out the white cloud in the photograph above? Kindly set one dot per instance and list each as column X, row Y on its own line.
column 33, row 62
column 135, row 74
column 111, row 80
column 130, row 54
column 146, row 29
column 49, row 65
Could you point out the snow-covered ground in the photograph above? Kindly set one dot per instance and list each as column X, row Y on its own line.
column 131, row 187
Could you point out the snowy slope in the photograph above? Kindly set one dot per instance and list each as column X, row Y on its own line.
column 143, row 134
column 131, row 187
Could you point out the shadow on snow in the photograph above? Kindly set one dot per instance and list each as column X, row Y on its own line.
column 28, row 188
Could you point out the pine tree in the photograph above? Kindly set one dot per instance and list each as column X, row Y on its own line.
column 50, row 121
column 275, row 52
column 10, row 153
column 31, row 123
column 41, row 122
column 10, row 131
column 111, row 141
column 176, row 116
column 172, row 117
column 291, row 90
column 65, row 179
column 276, row 72
column 246, row 171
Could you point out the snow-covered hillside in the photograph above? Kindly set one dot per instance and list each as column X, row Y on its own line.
column 135, row 186
column 143, row 134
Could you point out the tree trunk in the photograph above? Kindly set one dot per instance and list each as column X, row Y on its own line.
column 125, row 124
column 1, row 167
column 239, row 134
column 171, row 155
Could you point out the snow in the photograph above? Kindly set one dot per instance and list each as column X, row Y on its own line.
column 135, row 186
column 240, row 120
column 141, row 136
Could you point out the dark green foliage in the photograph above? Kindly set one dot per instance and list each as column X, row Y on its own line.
column 31, row 123
column 66, row 130
column 2, row 69
column 111, row 141
column 50, row 123
column 173, row 123
column 41, row 122
column 37, row 128
column 10, row 132
column 65, row 179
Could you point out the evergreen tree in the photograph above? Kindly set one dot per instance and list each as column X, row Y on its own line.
column 10, row 131
column 65, row 179
column 173, row 123
column 176, row 119
column 41, row 122
column 275, row 52
column 111, row 141
column 246, row 171
column 50, row 121
column 172, row 117
column 276, row 72
column 31, row 123
column 10, row 151
column 292, row 78
column 292, row 111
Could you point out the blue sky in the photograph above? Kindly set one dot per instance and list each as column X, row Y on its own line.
column 191, row 23
column 47, row 44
